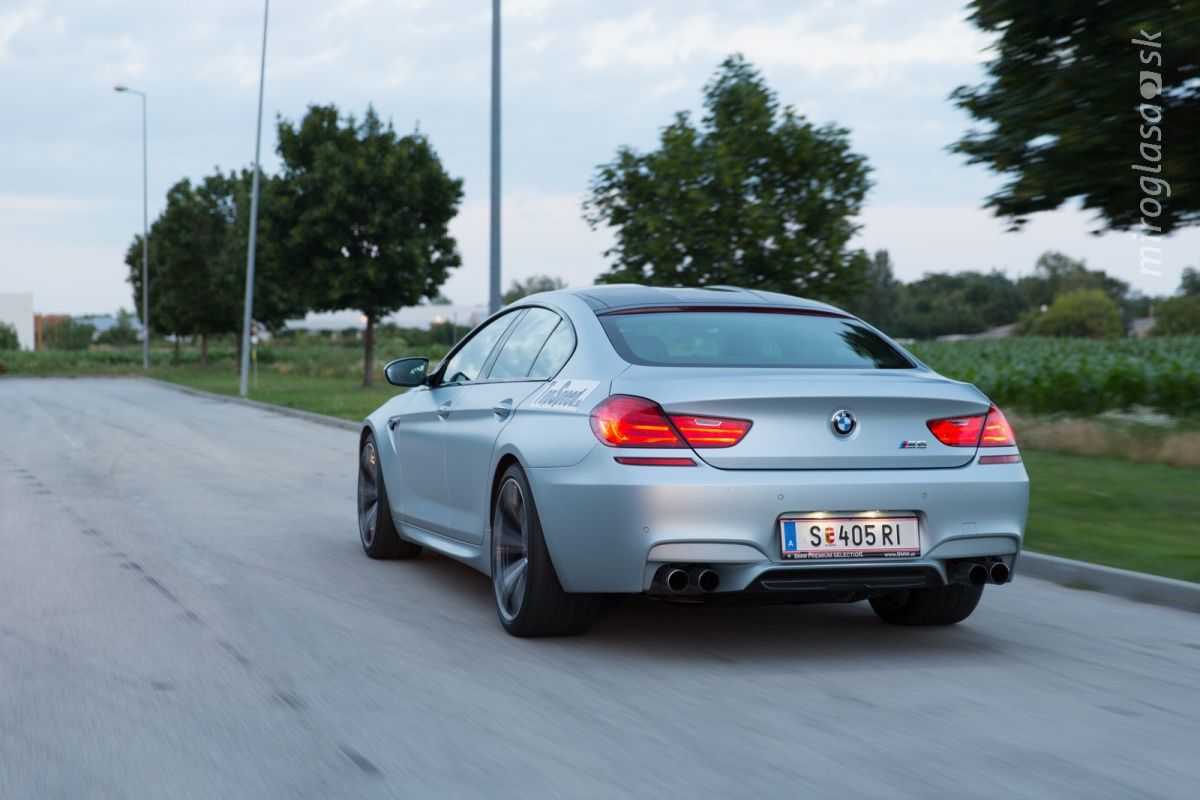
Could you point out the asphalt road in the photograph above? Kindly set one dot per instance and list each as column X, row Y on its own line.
column 185, row 612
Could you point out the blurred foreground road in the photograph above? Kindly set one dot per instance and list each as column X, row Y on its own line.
column 185, row 612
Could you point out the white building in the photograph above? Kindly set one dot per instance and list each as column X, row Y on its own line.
column 17, row 310
column 411, row 317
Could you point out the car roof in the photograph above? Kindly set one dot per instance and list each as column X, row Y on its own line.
column 615, row 297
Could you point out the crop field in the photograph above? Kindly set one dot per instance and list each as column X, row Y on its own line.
column 1077, row 376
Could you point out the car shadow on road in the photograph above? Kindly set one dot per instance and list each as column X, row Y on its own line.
column 818, row 634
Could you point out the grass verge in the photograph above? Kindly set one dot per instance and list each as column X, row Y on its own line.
column 1143, row 517
column 336, row 396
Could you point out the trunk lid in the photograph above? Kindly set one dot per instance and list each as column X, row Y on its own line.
column 791, row 411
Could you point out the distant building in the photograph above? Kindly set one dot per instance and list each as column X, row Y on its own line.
column 101, row 322
column 413, row 317
column 17, row 310
column 40, row 323
column 1141, row 328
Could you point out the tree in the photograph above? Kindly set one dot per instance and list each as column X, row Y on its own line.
column 754, row 195
column 1064, row 117
column 1189, row 283
column 963, row 302
column 532, row 285
column 1056, row 274
column 1083, row 312
column 366, row 214
column 198, row 261
column 1177, row 316
column 8, row 337
column 878, row 301
column 121, row 334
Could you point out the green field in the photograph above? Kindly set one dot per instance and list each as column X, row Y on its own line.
column 1082, row 376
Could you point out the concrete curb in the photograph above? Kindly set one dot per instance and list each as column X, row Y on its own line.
column 311, row 416
column 1110, row 580
column 1074, row 574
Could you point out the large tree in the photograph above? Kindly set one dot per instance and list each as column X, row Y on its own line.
column 198, row 261
column 366, row 213
column 1073, row 101
column 753, row 195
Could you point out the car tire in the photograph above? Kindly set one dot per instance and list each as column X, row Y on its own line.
column 376, row 530
column 530, row 599
column 942, row 605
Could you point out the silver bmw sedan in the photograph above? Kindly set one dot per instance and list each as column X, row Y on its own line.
column 697, row 445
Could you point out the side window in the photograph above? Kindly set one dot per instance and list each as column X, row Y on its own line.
column 522, row 347
column 464, row 367
column 555, row 352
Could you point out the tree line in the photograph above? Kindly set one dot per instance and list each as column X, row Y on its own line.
column 357, row 219
column 1062, row 297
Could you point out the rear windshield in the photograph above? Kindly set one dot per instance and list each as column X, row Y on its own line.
column 705, row 338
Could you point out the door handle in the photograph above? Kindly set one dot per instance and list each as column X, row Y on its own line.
column 503, row 408
column 393, row 422
column 443, row 410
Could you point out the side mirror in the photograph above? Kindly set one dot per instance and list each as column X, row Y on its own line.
column 406, row 371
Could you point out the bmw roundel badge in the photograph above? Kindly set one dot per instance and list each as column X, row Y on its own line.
column 843, row 422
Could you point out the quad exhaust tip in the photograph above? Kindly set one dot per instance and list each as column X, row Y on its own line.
column 677, row 580
column 706, row 579
column 973, row 573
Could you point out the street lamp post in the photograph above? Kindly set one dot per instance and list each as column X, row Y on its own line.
column 494, row 294
column 145, row 234
column 248, row 312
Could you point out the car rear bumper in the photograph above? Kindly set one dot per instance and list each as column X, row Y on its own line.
column 610, row 527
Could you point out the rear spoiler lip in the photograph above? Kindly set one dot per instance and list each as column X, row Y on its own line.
column 744, row 309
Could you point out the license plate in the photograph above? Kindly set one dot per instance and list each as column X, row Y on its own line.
column 849, row 537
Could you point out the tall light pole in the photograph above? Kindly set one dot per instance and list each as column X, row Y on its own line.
column 248, row 313
column 145, row 233
column 494, row 260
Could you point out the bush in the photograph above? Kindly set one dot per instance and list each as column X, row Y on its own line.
column 8, row 337
column 1175, row 316
column 121, row 334
column 1084, row 313
column 67, row 334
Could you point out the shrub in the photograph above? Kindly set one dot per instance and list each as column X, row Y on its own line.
column 1086, row 313
column 8, row 337
column 1175, row 316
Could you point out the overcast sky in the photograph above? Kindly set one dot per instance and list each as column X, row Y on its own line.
column 580, row 79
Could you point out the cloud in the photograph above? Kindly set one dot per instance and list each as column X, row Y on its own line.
column 13, row 22
column 542, row 234
column 836, row 42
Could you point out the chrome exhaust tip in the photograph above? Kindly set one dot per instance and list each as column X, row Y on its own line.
column 1000, row 572
column 706, row 579
column 973, row 573
column 674, row 579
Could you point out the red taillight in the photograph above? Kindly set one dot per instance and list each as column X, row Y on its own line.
column 624, row 421
column 996, row 431
column 957, row 431
column 710, row 431
column 979, row 430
